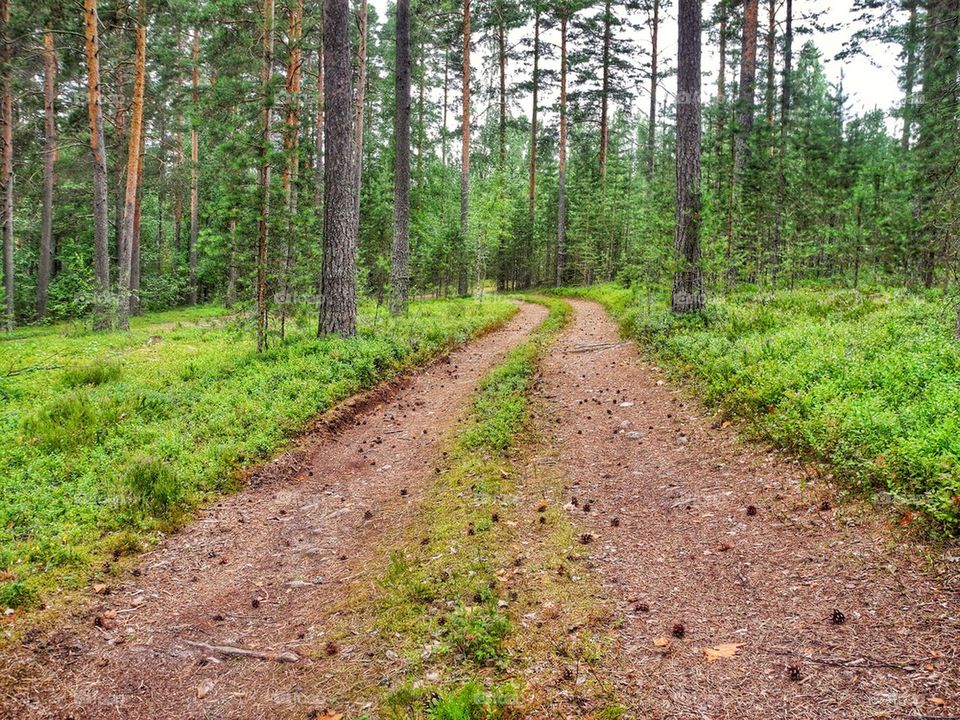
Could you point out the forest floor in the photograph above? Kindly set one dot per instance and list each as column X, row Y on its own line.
column 651, row 563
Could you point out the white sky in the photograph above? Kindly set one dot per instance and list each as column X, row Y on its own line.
column 869, row 81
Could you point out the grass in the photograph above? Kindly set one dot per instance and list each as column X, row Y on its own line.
column 106, row 438
column 866, row 382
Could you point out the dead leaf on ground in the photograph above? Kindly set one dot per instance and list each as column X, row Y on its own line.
column 661, row 642
column 330, row 715
column 204, row 688
column 724, row 650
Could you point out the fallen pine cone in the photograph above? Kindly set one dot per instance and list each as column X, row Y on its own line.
column 793, row 672
column 751, row 510
column 838, row 618
column 586, row 539
column 679, row 630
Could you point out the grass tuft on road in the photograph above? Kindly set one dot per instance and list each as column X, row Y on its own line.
column 867, row 382
column 107, row 438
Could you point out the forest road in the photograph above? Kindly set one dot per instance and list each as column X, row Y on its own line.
column 711, row 545
column 262, row 570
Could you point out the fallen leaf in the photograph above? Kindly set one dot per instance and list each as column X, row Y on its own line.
column 204, row 688
column 99, row 588
column 661, row 642
column 937, row 701
column 330, row 715
column 725, row 650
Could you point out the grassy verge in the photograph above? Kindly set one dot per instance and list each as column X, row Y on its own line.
column 106, row 438
column 481, row 604
column 867, row 383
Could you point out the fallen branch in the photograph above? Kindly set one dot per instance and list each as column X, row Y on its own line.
column 594, row 348
column 286, row 656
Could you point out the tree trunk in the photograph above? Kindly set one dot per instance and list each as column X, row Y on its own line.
column 721, row 94
column 532, row 199
column 748, row 78
column 263, row 226
column 782, row 150
column 318, row 137
column 137, row 215
column 502, row 164
column 654, row 81
column 687, row 293
column 909, row 74
column 359, row 108
column 49, row 158
column 6, row 166
column 291, row 147
column 400, row 272
column 194, row 169
column 605, row 92
column 770, row 99
column 338, row 312
column 101, row 253
column 232, row 265
column 562, row 163
column 465, row 156
column 132, row 175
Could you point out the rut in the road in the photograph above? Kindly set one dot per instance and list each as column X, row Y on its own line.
column 718, row 541
column 263, row 569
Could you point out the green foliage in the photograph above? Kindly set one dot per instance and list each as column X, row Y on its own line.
column 152, row 485
column 95, row 373
column 866, row 381
column 471, row 702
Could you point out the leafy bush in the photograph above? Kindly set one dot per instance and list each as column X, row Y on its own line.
column 15, row 594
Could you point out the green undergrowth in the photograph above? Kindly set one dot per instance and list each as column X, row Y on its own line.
column 106, row 438
column 866, row 382
column 453, row 596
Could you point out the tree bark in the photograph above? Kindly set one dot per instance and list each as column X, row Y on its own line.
column 137, row 215
column 532, row 198
column 101, row 253
column 291, row 146
column 721, row 93
column 748, row 78
column 194, row 169
column 465, row 156
column 605, row 92
column 50, row 150
column 400, row 271
column 132, row 175
column 687, row 293
column 318, row 137
column 359, row 108
column 562, row 162
column 263, row 226
column 6, row 166
column 782, row 150
column 909, row 74
column 654, row 81
column 770, row 99
column 502, row 133
column 232, row 265
column 338, row 312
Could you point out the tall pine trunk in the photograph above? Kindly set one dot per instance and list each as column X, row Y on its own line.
column 137, row 215
column 6, row 165
column 359, row 110
column 132, row 175
column 605, row 92
column 502, row 139
column 782, row 146
column 318, row 135
column 45, row 269
column 400, row 270
column 654, row 82
column 532, row 193
column 338, row 312
column 562, row 162
column 195, row 168
column 687, row 293
column 465, row 157
column 291, row 147
column 263, row 226
column 909, row 74
column 101, row 253
column 748, row 79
